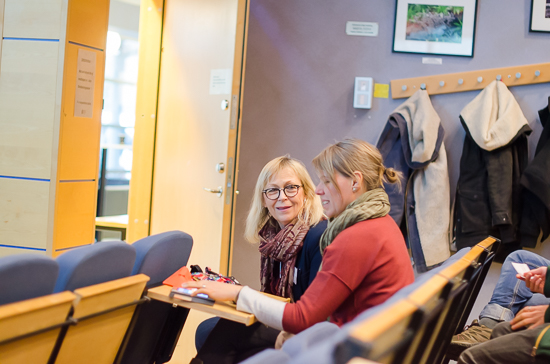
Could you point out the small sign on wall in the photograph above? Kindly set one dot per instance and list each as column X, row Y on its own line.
column 362, row 95
column 85, row 81
column 364, row 29
column 220, row 82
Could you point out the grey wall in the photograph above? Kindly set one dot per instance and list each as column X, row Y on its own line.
column 300, row 69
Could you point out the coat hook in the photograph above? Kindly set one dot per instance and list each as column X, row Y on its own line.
column 460, row 81
column 537, row 73
column 404, row 87
column 480, row 79
column 422, row 86
column 499, row 77
column 441, row 83
column 518, row 75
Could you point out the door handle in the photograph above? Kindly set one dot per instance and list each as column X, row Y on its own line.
column 218, row 191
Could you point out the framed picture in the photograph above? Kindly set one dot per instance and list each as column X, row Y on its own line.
column 540, row 16
column 441, row 27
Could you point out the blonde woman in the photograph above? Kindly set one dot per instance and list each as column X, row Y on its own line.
column 365, row 260
column 285, row 218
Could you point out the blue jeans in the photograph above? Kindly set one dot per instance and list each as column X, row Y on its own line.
column 511, row 294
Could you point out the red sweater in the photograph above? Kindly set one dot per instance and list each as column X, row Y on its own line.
column 363, row 267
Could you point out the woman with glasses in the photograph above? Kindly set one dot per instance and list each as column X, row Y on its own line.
column 365, row 260
column 285, row 218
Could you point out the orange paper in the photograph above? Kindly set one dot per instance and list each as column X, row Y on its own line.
column 176, row 279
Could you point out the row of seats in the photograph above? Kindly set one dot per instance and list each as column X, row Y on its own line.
column 413, row 326
column 27, row 276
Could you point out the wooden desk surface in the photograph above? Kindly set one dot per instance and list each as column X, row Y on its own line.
column 116, row 221
column 221, row 309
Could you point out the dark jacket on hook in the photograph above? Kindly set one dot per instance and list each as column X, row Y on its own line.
column 536, row 188
column 412, row 143
column 488, row 199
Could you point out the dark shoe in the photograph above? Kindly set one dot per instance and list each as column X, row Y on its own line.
column 471, row 336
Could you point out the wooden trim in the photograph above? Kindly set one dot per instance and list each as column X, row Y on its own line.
column 221, row 309
column 470, row 80
column 487, row 243
column 380, row 323
column 428, row 291
column 50, row 250
column 141, row 184
column 233, row 150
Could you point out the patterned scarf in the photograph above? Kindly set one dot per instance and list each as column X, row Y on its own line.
column 280, row 246
column 370, row 205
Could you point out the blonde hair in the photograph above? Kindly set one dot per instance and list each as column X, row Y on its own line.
column 351, row 155
column 258, row 214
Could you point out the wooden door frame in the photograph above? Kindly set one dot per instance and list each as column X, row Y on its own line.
column 143, row 164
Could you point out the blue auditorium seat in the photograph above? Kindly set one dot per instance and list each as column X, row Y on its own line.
column 94, row 264
column 26, row 276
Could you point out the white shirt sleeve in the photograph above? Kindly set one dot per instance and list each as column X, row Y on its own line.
column 267, row 310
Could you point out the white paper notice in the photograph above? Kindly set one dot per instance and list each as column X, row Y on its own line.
column 521, row 268
column 220, row 82
column 364, row 29
column 85, row 80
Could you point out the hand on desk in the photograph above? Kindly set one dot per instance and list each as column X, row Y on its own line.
column 216, row 290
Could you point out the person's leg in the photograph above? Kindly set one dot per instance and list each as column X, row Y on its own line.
column 203, row 330
column 509, row 296
column 231, row 342
column 510, row 293
column 511, row 348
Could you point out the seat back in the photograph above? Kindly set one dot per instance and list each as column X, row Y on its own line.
column 157, row 325
column 26, row 276
column 467, row 276
column 29, row 329
column 93, row 264
column 161, row 255
column 102, row 313
column 385, row 337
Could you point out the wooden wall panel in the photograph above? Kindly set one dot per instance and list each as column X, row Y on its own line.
column 141, row 184
column 87, row 22
column 27, row 106
column 23, row 213
column 79, row 137
column 74, row 214
column 33, row 19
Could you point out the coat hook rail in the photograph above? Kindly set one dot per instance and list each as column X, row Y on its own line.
column 471, row 80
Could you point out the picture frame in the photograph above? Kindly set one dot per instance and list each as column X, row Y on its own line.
column 540, row 16
column 438, row 27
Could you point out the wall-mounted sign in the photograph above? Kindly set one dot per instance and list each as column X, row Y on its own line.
column 364, row 29
column 220, row 82
column 85, row 81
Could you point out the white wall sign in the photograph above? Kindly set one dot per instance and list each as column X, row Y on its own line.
column 431, row 60
column 85, row 80
column 220, row 82
column 364, row 29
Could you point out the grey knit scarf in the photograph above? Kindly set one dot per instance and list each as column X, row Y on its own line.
column 370, row 205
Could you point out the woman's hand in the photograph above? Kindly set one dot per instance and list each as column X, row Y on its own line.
column 216, row 290
column 535, row 279
column 530, row 317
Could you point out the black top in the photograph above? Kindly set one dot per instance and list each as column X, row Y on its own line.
column 308, row 260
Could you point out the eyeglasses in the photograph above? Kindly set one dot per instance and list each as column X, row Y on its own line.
column 274, row 193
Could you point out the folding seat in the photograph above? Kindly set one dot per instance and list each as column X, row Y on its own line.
column 93, row 264
column 25, row 276
column 156, row 327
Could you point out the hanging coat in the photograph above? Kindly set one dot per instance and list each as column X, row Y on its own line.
column 536, row 188
column 488, row 200
column 412, row 143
